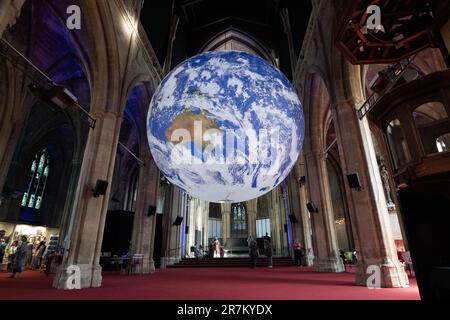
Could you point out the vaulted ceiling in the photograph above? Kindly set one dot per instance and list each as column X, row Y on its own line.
column 202, row 20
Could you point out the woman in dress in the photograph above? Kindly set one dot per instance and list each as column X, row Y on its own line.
column 216, row 247
column 20, row 258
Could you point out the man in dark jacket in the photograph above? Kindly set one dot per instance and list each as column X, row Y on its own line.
column 268, row 251
column 254, row 254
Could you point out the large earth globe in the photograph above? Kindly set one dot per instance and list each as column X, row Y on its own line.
column 225, row 126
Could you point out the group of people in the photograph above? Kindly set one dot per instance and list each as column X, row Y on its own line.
column 214, row 251
column 268, row 252
column 23, row 255
column 254, row 251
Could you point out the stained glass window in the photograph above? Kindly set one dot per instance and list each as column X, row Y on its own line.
column 239, row 221
column 40, row 168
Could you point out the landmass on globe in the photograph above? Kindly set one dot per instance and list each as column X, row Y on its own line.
column 186, row 121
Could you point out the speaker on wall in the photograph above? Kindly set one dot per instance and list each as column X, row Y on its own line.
column 302, row 180
column 312, row 207
column 151, row 211
column 178, row 221
column 353, row 181
column 100, row 188
column 186, row 231
column 292, row 218
column 285, row 227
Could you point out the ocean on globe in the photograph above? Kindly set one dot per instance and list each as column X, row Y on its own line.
column 225, row 126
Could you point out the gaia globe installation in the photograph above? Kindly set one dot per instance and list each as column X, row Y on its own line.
column 225, row 126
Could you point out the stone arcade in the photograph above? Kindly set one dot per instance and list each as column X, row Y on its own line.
column 376, row 106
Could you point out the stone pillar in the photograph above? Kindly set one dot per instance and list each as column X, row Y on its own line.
column 226, row 216
column 203, row 222
column 142, row 241
column 326, row 252
column 369, row 215
column 71, row 192
column 191, row 223
column 173, row 248
column 251, row 217
column 9, row 12
column 303, row 228
column 277, row 225
column 90, row 213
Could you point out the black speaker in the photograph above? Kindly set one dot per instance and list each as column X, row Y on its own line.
column 178, row 221
column 293, row 218
column 302, row 180
column 151, row 211
column 312, row 207
column 285, row 227
column 100, row 188
column 353, row 181
column 186, row 231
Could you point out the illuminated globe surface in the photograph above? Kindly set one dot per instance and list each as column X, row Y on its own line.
column 225, row 126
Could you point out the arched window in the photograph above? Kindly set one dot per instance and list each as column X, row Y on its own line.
column 40, row 168
column 238, row 220
column 432, row 124
column 443, row 143
column 397, row 144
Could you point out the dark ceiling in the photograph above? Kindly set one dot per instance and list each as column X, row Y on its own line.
column 201, row 20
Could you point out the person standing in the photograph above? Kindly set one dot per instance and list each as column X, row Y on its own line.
column 298, row 253
column 211, row 250
column 29, row 258
column 20, row 258
column 11, row 254
column 254, row 254
column 269, row 253
column 39, row 254
column 2, row 250
column 216, row 248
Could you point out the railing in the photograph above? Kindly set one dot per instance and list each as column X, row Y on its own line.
column 393, row 74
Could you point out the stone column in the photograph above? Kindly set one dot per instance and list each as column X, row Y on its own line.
column 142, row 241
column 173, row 233
column 226, row 216
column 9, row 12
column 90, row 213
column 369, row 215
column 275, row 218
column 191, row 234
column 203, row 222
column 71, row 192
column 303, row 227
column 326, row 252
column 251, row 217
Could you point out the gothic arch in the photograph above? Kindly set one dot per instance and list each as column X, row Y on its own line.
column 240, row 38
column 316, row 105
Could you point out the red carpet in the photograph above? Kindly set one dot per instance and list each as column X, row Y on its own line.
column 286, row 283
